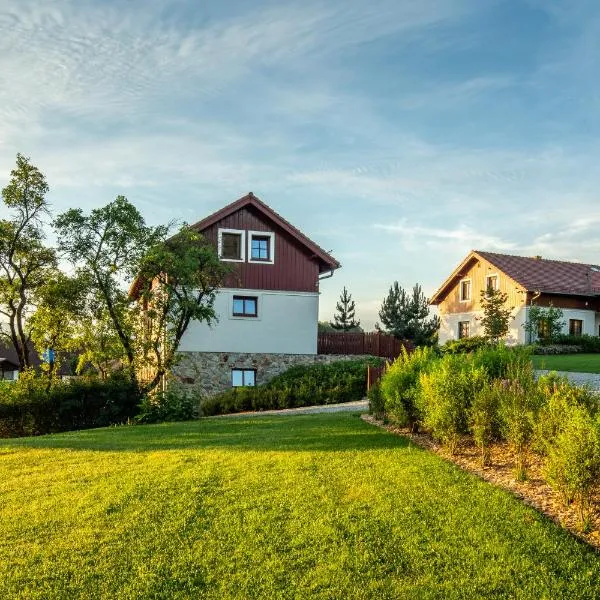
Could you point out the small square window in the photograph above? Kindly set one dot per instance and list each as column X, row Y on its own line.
column 231, row 245
column 464, row 329
column 575, row 326
column 245, row 306
column 243, row 377
column 260, row 248
column 465, row 290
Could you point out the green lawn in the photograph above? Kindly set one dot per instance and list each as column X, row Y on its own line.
column 584, row 363
column 318, row 506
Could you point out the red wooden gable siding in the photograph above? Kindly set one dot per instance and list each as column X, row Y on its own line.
column 295, row 270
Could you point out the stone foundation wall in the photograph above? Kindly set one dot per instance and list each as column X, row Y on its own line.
column 208, row 373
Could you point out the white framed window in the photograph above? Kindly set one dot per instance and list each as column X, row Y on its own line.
column 465, row 290
column 243, row 377
column 492, row 282
column 261, row 247
column 464, row 329
column 232, row 245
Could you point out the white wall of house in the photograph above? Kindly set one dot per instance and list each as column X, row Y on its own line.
column 516, row 333
column 286, row 324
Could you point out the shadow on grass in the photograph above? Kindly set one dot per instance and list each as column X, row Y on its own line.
column 302, row 433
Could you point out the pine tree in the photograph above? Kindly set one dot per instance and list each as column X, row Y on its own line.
column 344, row 319
column 405, row 316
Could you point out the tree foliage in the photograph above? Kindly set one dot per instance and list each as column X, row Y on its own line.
column 406, row 316
column 496, row 315
column 26, row 262
column 544, row 323
column 175, row 282
column 345, row 317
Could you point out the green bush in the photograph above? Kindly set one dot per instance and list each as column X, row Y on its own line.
column 518, row 411
column 400, row 385
column 376, row 401
column 30, row 406
column 169, row 406
column 551, row 349
column 585, row 343
column 484, row 418
column 573, row 460
column 446, row 395
column 301, row 385
column 465, row 345
column 498, row 360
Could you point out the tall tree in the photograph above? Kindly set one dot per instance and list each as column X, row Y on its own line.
column 25, row 261
column 175, row 281
column 496, row 315
column 406, row 316
column 344, row 318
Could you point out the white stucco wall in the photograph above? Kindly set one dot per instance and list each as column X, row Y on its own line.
column 286, row 324
column 516, row 333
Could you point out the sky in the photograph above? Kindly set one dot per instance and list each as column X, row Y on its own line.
column 396, row 134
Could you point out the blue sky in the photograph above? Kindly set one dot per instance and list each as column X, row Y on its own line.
column 397, row 134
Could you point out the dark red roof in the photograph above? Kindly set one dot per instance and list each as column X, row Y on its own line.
column 326, row 261
column 549, row 276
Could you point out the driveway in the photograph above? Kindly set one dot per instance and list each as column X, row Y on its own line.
column 357, row 405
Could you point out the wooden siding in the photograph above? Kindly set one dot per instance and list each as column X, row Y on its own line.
column 560, row 301
column 294, row 269
column 477, row 271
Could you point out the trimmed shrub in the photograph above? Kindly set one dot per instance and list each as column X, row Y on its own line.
column 30, row 406
column 400, row 385
column 302, row 385
column 586, row 343
column 446, row 395
column 555, row 349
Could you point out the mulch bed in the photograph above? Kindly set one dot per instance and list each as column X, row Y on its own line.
column 534, row 491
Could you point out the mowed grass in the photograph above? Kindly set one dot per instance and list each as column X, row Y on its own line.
column 583, row 363
column 316, row 506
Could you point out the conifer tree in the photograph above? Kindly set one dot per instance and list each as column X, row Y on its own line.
column 344, row 319
column 406, row 316
column 496, row 316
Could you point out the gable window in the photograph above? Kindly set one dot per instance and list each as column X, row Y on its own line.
column 465, row 290
column 245, row 306
column 231, row 245
column 575, row 326
column 243, row 377
column 464, row 329
column 491, row 282
column 261, row 247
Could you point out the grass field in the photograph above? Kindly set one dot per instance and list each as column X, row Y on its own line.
column 319, row 506
column 584, row 363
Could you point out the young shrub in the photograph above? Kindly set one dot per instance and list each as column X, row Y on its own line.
column 519, row 405
column 573, row 461
column 499, row 360
column 484, row 420
column 465, row 345
column 376, row 402
column 169, row 406
column 446, row 394
column 400, row 385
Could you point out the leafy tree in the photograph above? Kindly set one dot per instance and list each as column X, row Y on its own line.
column 496, row 316
column 175, row 282
column 544, row 323
column 344, row 319
column 25, row 262
column 56, row 322
column 406, row 316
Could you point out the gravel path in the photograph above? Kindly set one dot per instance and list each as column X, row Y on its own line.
column 591, row 379
column 362, row 405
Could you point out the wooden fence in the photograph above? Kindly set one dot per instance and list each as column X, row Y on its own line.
column 375, row 343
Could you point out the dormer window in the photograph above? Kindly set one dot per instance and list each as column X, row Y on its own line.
column 465, row 290
column 231, row 245
column 261, row 247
